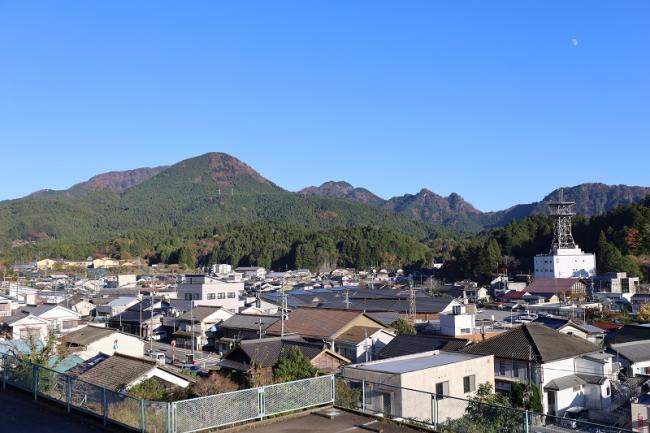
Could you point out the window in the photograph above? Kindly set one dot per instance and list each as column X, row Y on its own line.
column 211, row 296
column 515, row 369
column 197, row 296
column 221, row 296
column 465, row 330
column 469, row 383
column 231, row 294
column 442, row 389
column 502, row 368
column 188, row 296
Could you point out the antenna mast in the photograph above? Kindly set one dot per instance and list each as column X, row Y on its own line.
column 562, row 211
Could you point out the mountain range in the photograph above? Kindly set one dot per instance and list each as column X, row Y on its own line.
column 453, row 211
column 218, row 189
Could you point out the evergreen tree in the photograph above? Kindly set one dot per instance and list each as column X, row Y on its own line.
column 294, row 366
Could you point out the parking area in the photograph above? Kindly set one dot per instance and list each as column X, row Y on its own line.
column 329, row 421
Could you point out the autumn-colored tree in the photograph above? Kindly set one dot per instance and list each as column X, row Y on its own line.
column 213, row 384
column 644, row 313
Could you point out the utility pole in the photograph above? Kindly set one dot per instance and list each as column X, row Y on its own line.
column 151, row 321
column 192, row 327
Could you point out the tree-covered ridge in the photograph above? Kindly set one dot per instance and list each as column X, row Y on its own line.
column 204, row 191
column 620, row 238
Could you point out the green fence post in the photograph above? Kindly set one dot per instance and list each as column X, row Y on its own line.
column 143, row 426
column 526, row 426
column 35, row 380
column 363, row 396
column 68, row 392
column 5, row 365
column 104, row 405
column 261, row 403
column 333, row 390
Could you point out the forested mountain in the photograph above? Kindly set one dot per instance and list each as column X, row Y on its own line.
column 208, row 190
column 454, row 212
column 344, row 190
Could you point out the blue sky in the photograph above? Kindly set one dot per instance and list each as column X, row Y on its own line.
column 500, row 102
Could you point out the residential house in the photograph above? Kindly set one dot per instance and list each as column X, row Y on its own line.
column 256, row 358
column 590, row 333
column 639, row 299
column 24, row 327
column 616, row 282
column 568, row 369
column 363, row 344
column 115, row 306
column 405, row 344
column 252, row 272
column 628, row 333
column 120, row 372
column 564, row 288
column 90, row 341
column 242, row 327
column 329, row 326
column 633, row 356
column 60, row 319
column 392, row 384
column 199, row 326
column 142, row 319
column 204, row 290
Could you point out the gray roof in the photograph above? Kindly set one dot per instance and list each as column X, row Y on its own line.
column 267, row 352
column 199, row 313
column 533, row 341
column 409, row 363
column 410, row 344
column 87, row 335
column 117, row 371
column 635, row 351
column 565, row 382
column 249, row 321
column 37, row 310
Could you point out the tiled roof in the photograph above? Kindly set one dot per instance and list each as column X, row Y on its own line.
column 249, row 321
column 635, row 351
column 315, row 322
column 410, row 344
column 533, row 341
column 628, row 333
column 267, row 352
column 565, row 382
column 356, row 334
column 87, row 335
column 118, row 371
column 552, row 285
column 199, row 313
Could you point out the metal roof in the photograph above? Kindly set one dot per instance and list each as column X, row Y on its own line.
column 635, row 351
column 410, row 344
column 565, row 382
column 409, row 363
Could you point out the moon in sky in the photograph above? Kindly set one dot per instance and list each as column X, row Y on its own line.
column 574, row 42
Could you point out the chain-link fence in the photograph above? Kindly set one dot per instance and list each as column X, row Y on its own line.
column 256, row 403
column 162, row 417
column 448, row 414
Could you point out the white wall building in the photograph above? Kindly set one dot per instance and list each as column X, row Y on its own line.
column 204, row 290
column 565, row 263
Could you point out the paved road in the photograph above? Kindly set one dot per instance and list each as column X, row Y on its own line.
column 201, row 358
column 20, row 413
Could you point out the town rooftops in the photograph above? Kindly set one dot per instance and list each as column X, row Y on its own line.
column 535, row 342
column 415, row 362
column 628, row 333
column 405, row 344
column 356, row 334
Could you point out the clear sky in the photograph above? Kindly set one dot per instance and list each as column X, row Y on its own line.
column 500, row 102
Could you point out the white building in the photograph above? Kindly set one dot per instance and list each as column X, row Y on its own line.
column 402, row 387
column 362, row 344
column 566, row 259
column 210, row 291
column 90, row 341
column 458, row 323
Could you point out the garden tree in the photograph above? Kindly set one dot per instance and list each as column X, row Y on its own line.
column 213, row 384
column 487, row 260
column 149, row 389
column 294, row 366
column 346, row 396
column 487, row 412
column 403, row 326
column 527, row 396
column 45, row 354
column 644, row 313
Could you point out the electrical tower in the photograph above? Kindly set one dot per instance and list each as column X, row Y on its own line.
column 562, row 211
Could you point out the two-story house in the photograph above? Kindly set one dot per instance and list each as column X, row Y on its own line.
column 199, row 326
column 569, row 370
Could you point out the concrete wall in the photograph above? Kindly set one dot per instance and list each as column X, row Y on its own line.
column 126, row 344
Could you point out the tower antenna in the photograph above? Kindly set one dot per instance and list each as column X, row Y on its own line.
column 562, row 211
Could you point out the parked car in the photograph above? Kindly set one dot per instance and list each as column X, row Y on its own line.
column 195, row 369
column 159, row 357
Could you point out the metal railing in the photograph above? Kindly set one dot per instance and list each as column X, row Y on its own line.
column 182, row 416
column 448, row 414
